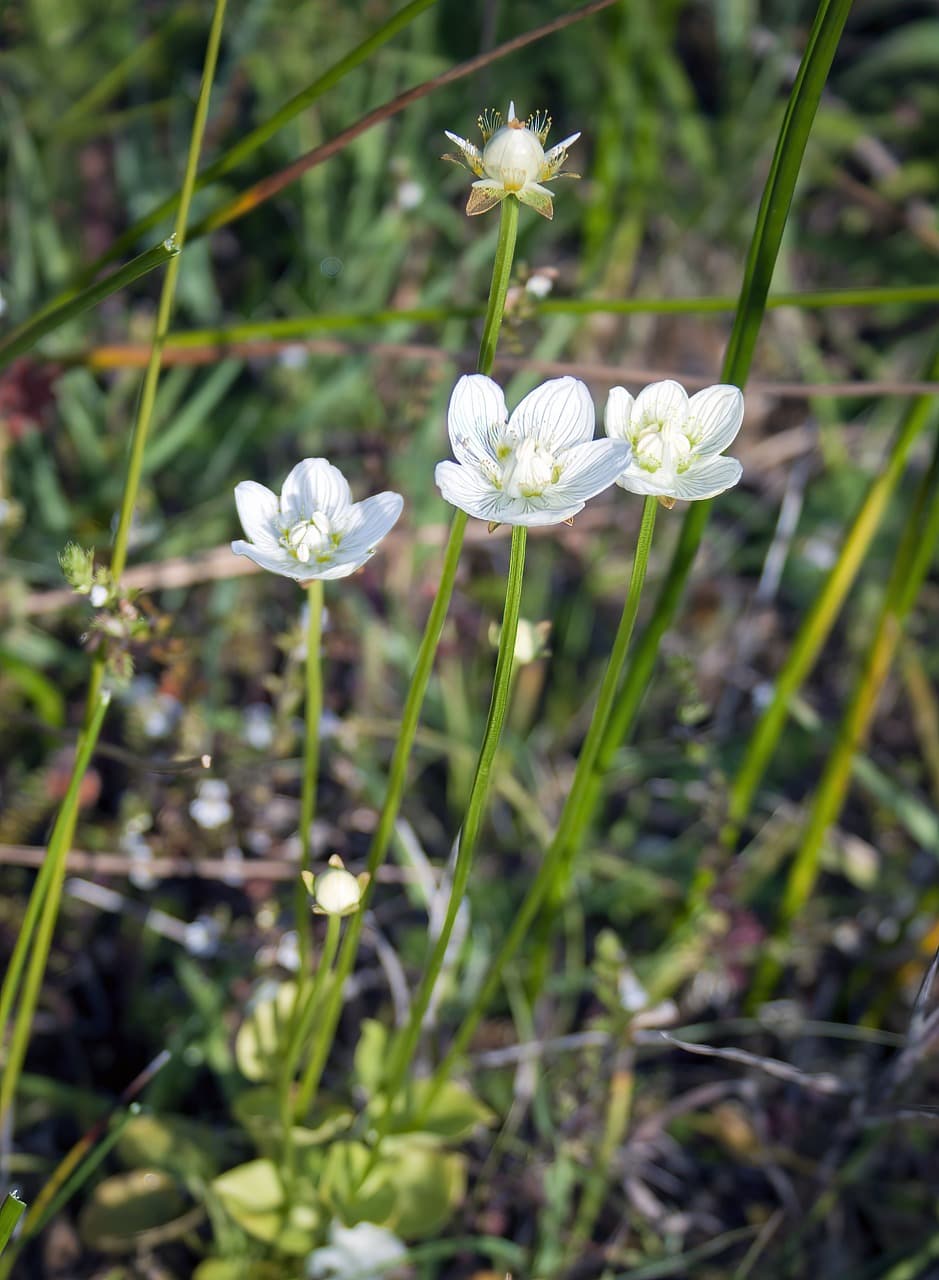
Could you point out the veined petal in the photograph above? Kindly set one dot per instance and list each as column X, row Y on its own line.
column 616, row 417
column 714, row 417
column 259, row 512
column 371, row 520
column 466, row 488
column 314, row 485
column 557, row 414
column 707, row 478
column 476, row 417
column 484, row 194
column 589, row 468
column 538, row 198
column 556, row 156
column 534, row 516
column 660, row 402
column 472, row 156
column 281, row 562
column 636, row 479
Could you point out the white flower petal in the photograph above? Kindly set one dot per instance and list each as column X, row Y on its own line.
column 557, row 414
column 259, row 512
column 660, row 402
column 590, row 468
column 714, row 417
column 466, row 488
column 314, row 485
column 534, row 517
column 616, row 417
column 707, row 478
column 637, row 480
column 476, row 417
column 275, row 561
column 371, row 520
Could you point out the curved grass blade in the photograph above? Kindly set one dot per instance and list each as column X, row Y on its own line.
column 27, row 335
column 761, row 260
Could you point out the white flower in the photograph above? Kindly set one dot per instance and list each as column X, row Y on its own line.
column 337, row 892
column 362, row 1252
column 211, row 808
column 513, row 161
column 537, row 468
column 675, row 442
column 314, row 530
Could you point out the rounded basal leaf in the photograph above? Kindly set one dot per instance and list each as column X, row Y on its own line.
column 177, row 1145
column 429, row 1186
column 253, row 1197
column 238, row 1269
column 262, row 1036
column 135, row 1210
column 454, row 1113
column 350, row 1194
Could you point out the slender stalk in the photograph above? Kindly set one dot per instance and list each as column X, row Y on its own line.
column 760, row 264
column 912, row 563
column 167, row 299
column 552, row 873
column 311, row 760
column 45, row 916
column 43, row 907
column 28, row 334
column 410, row 716
column 615, row 1123
column 323, row 971
column 406, row 1045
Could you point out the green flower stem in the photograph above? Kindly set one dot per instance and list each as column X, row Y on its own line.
column 43, row 907
column 554, row 868
column 912, row 563
column 405, row 1047
column 27, row 335
column 305, row 1025
column 758, row 271
column 311, row 760
column 47, row 893
column 410, row 716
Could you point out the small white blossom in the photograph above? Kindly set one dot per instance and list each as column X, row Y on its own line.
column 538, row 467
column 337, row 892
column 362, row 1252
column 513, row 161
column 675, row 442
column 314, row 530
column 211, row 808
column 539, row 285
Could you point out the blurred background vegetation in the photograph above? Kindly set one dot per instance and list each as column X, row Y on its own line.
column 814, row 1157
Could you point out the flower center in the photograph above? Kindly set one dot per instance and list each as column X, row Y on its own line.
column 665, row 442
column 314, row 539
column 529, row 470
column 514, row 157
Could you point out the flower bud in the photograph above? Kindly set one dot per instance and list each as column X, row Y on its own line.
column 337, row 892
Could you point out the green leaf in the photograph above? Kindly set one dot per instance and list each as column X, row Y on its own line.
column 132, row 1210
column 453, row 1114
column 371, row 1056
column 253, row 1197
column 171, row 1143
column 263, row 1034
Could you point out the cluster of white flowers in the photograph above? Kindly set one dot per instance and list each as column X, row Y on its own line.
column 538, row 465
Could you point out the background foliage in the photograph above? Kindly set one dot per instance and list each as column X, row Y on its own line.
column 812, row 1157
